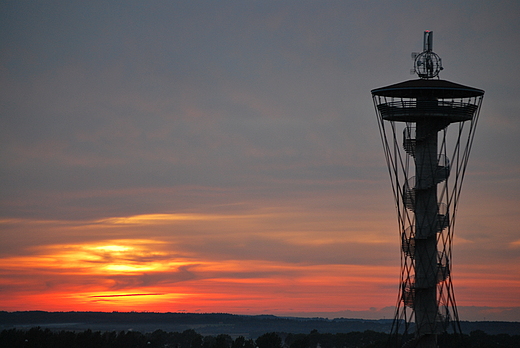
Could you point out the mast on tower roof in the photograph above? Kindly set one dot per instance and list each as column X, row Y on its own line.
column 427, row 64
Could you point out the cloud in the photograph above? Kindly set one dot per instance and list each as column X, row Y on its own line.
column 127, row 295
column 120, row 268
column 515, row 244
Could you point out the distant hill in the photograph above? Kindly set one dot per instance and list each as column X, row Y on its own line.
column 249, row 326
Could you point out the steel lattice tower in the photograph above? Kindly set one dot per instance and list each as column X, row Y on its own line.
column 427, row 127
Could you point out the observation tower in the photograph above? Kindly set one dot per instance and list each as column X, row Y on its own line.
column 427, row 127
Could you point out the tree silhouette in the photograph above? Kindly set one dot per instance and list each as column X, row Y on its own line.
column 269, row 340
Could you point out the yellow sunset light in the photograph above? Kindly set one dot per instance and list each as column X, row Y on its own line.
column 148, row 219
column 117, row 256
column 112, row 248
column 129, row 267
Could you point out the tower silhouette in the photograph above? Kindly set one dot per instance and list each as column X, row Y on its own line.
column 427, row 127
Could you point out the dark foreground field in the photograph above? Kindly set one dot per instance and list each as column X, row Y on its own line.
column 46, row 338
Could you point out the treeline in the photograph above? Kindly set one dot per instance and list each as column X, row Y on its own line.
column 45, row 338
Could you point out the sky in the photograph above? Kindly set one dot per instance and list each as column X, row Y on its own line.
column 224, row 156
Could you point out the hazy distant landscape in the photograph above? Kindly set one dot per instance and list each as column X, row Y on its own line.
column 220, row 330
column 214, row 323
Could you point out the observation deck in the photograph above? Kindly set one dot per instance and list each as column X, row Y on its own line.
column 421, row 99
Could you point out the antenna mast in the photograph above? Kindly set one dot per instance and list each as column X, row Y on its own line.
column 427, row 64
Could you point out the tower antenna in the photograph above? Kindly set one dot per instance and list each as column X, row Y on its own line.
column 427, row 64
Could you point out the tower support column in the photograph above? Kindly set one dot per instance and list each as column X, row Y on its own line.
column 426, row 217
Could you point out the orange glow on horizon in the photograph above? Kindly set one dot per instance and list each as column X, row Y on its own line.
column 213, row 289
column 181, row 272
